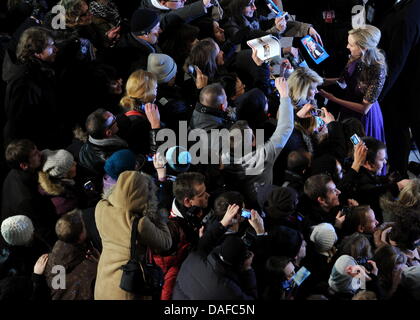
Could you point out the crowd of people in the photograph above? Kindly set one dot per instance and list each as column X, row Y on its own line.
column 306, row 194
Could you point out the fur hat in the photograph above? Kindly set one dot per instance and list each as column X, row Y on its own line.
column 162, row 65
column 324, row 237
column 17, row 230
column 57, row 162
column 143, row 20
column 120, row 161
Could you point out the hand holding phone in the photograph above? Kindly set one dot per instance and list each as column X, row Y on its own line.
column 355, row 139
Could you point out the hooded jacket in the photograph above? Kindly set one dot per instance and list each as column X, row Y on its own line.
column 80, row 271
column 133, row 193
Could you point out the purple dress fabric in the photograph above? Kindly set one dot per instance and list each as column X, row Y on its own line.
column 373, row 120
column 356, row 91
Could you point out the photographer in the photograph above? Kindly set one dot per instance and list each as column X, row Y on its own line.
column 184, row 223
column 223, row 272
column 353, row 270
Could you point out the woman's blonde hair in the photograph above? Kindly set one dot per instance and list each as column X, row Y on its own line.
column 409, row 197
column 140, row 88
column 367, row 38
column 299, row 83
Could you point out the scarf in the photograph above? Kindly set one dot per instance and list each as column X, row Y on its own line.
column 113, row 141
column 109, row 12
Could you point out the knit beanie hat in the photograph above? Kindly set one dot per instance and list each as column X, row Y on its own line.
column 143, row 20
column 120, row 161
column 233, row 251
column 57, row 162
column 324, row 237
column 162, row 65
column 285, row 241
column 17, row 230
column 277, row 202
column 178, row 158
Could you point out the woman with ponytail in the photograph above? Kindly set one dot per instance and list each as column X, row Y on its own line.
column 363, row 80
column 140, row 94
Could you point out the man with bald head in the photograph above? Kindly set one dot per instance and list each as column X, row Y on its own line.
column 210, row 111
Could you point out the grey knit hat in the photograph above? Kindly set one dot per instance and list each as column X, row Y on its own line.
column 324, row 237
column 162, row 65
column 57, row 162
column 17, row 230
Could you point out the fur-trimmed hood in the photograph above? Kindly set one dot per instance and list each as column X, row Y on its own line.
column 51, row 186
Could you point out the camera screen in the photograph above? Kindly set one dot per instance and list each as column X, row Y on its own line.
column 355, row 139
column 246, row 214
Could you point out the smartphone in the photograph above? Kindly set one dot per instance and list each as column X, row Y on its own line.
column 355, row 139
column 246, row 214
column 89, row 185
column 319, row 112
column 191, row 71
column 149, row 158
column 301, row 276
column 319, row 121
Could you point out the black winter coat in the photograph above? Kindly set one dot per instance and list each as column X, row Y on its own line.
column 30, row 104
column 20, row 196
column 203, row 276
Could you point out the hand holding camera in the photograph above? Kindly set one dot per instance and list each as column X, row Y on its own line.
column 256, row 222
column 230, row 214
column 282, row 87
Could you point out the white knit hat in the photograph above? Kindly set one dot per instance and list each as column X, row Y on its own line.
column 324, row 237
column 57, row 162
column 17, row 230
column 162, row 65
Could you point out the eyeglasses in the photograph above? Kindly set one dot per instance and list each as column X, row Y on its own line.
column 110, row 121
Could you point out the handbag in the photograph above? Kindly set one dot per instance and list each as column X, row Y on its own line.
column 141, row 276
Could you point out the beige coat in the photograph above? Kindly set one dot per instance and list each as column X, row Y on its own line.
column 114, row 217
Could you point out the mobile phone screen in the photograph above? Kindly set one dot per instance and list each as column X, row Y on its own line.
column 246, row 214
column 300, row 276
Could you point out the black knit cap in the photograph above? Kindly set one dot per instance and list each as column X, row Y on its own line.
column 143, row 20
column 277, row 202
column 285, row 241
column 233, row 251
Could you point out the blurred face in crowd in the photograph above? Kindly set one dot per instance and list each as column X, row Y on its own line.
column 49, row 53
column 201, row 198
column 331, row 200
column 174, row 4
column 219, row 33
column 312, row 91
column 85, row 17
column 73, row 171
column 219, row 56
column 116, row 87
column 239, row 88
column 355, row 50
column 371, row 222
column 249, row 9
column 339, row 170
column 302, row 251
column 153, row 36
column 289, row 270
column 111, row 128
column 34, row 161
column 380, row 161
